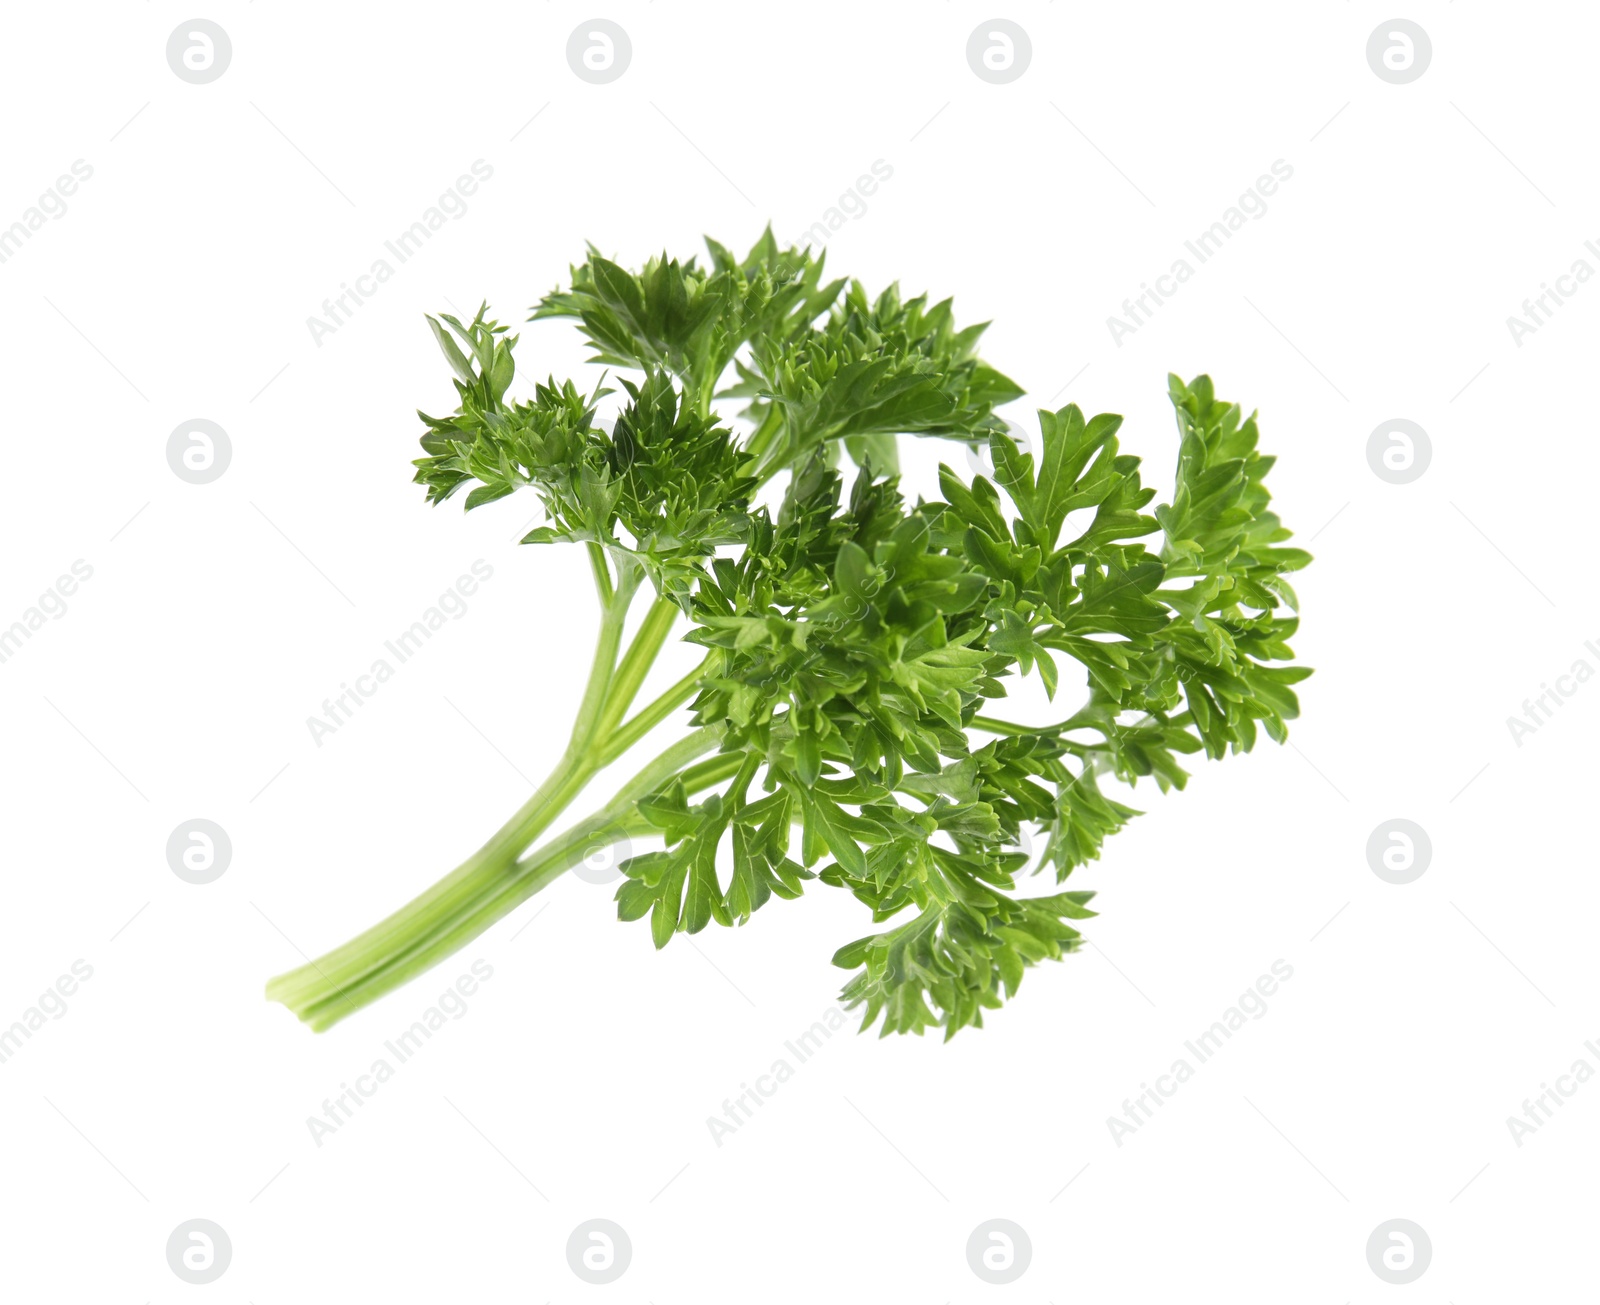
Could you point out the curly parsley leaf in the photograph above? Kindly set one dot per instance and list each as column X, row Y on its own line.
column 845, row 727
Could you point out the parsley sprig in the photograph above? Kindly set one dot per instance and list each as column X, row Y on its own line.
column 839, row 729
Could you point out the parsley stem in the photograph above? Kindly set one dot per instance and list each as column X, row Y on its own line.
column 636, row 663
column 602, row 572
column 428, row 930
column 756, row 446
column 347, row 964
column 992, row 726
column 613, row 616
column 577, row 766
column 647, row 718
column 498, row 876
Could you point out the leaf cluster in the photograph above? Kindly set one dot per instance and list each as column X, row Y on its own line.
column 858, row 644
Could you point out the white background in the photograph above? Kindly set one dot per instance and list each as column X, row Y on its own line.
column 177, row 684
